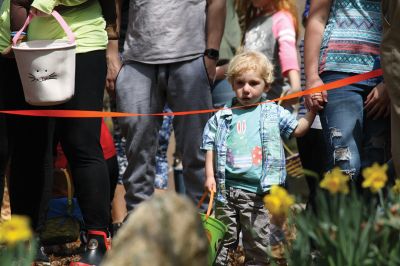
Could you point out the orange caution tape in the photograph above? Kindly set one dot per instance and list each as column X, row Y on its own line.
column 210, row 203
column 93, row 114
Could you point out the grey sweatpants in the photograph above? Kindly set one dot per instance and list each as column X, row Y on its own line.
column 145, row 88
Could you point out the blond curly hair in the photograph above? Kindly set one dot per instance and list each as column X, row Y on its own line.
column 251, row 60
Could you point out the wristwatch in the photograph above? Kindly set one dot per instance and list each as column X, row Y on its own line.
column 212, row 54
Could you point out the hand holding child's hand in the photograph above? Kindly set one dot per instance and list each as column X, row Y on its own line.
column 210, row 184
column 318, row 97
column 310, row 103
column 36, row 12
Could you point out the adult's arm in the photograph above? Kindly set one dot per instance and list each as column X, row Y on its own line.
column 113, row 60
column 317, row 19
column 47, row 6
column 215, row 23
column 285, row 34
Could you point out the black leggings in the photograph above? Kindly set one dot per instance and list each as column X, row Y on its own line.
column 3, row 131
column 3, row 155
column 31, row 169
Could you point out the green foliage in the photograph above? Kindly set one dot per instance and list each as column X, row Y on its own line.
column 20, row 254
column 347, row 230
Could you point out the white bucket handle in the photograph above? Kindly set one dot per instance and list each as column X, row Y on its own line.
column 58, row 17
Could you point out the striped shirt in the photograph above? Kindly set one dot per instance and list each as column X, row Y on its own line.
column 352, row 37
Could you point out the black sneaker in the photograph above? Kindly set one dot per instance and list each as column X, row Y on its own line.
column 97, row 245
column 115, row 228
column 41, row 257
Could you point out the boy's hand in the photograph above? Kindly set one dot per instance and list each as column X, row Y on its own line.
column 313, row 104
column 318, row 98
column 210, row 184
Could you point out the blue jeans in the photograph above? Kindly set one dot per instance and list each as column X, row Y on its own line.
column 161, row 180
column 353, row 140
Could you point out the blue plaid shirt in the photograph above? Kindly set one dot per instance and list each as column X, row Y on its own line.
column 275, row 122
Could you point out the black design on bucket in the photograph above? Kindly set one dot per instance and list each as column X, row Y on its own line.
column 42, row 77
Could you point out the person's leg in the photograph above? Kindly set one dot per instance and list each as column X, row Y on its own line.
column 3, row 154
column 312, row 155
column 189, row 89
column 3, row 132
column 395, row 129
column 118, row 205
column 256, row 226
column 228, row 214
column 112, row 166
column 162, row 168
column 376, row 138
column 30, row 141
column 138, row 91
column 80, row 140
column 342, row 123
column 118, row 208
column 390, row 55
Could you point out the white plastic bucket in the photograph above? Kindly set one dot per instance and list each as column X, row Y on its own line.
column 46, row 67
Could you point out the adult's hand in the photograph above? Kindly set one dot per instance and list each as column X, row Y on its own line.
column 313, row 104
column 36, row 12
column 377, row 103
column 211, row 66
column 113, row 66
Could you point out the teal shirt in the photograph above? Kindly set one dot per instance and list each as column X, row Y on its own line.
column 244, row 153
column 275, row 122
column 86, row 22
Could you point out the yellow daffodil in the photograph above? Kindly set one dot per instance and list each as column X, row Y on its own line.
column 396, row 187
column 335, row 181
column 375, row 177
column 278, row 201
column 15, row 230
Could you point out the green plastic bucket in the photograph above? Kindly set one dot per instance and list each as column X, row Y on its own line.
column 215, row 229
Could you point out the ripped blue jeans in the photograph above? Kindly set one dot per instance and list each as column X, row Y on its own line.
column 353, row 140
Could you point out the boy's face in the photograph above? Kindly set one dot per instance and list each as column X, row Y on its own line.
column 249, row 87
